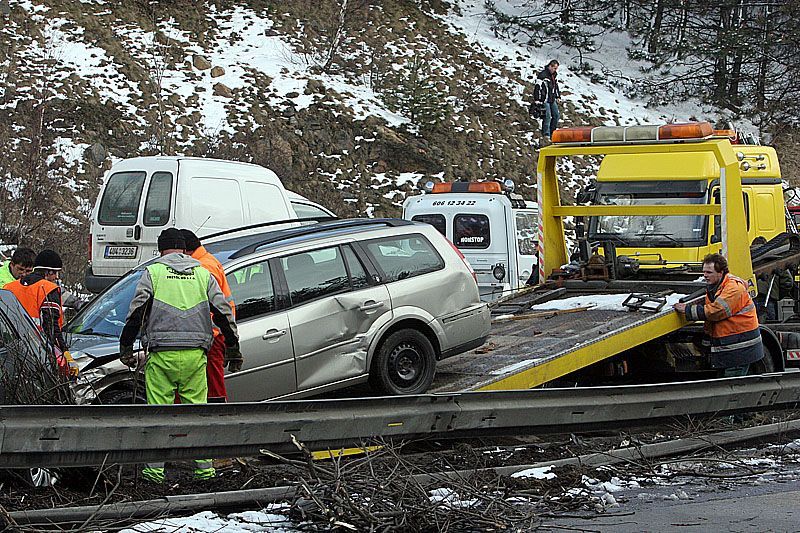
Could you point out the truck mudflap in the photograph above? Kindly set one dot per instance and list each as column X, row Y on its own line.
column 536, row 346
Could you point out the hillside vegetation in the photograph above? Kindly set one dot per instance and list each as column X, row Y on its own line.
column 351, row 102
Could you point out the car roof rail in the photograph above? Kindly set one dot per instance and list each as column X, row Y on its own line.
column 265, row 224
column 291, row 233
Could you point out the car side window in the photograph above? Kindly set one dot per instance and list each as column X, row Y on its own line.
column 358, row 276
column 252, row 290
column 404, row 256
column 311, row 275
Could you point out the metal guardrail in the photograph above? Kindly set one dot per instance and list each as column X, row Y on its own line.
column 87, row 435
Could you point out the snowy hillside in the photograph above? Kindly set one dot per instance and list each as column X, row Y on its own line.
column 351, row 108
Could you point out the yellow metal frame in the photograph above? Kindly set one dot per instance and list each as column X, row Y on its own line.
column 553, row 249
column 552, row 243
column 589, row 354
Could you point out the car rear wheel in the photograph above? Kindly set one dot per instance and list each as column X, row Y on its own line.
column 404, row 364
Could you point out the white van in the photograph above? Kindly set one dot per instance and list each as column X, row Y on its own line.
column 144, row 195
column 494, row 228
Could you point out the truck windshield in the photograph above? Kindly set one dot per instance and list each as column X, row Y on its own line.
column 649, row 230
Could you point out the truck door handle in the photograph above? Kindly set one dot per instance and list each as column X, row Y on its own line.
column 273, row 334
column 137, row 232
column 371, row 305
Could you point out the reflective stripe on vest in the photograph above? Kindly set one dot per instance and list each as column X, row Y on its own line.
column 32, row 297
column 181, row 314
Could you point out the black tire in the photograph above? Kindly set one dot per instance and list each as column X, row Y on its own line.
column 123, row 396
column 766, row 365
column 404, row 364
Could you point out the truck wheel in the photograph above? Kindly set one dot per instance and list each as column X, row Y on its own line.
column 123, row 397
column 765, row 366
column 404, row 364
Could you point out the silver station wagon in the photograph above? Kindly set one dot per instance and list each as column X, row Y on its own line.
column 319, row 308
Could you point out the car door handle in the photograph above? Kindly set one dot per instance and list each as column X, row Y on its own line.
column 273, row 334
column 371, row 305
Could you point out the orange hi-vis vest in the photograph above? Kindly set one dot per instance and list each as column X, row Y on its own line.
column 212, row 264
column 33, row 298
column 732, row 312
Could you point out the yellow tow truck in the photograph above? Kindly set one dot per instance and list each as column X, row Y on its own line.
column 666, row 196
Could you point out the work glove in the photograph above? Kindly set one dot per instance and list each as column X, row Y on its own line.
column 233, row 358
column 538, row 110
column 127, row 356
column 73, row 366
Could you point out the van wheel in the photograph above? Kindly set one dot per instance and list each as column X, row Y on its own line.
column 123, row 397
column 404, row 364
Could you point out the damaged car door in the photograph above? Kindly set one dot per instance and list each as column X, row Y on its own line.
column 264, row 337
column 335, row 309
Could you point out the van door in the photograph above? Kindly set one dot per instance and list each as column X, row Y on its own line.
column 335, row 313
column 526, row 224
column 264, row 337
column 120, row 229
column 159, row 201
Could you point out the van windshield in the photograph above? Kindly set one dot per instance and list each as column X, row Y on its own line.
column 120, row 203
column 650, row 230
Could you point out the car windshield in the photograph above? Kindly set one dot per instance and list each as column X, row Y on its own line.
column 105, row 315
column 650, row 230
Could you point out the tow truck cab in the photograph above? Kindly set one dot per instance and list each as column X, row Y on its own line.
column 494, row 228
column 663, row 177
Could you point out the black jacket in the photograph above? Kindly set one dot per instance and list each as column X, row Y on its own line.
column 546, row 89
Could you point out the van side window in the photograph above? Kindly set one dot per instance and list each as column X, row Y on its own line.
column 435, row 220
column 252, row 290
column 311, row 275
column 471, row 231
column 308, row 211
column 120, row 203
column 404, row 257
column 159, row 199
column 527, row 231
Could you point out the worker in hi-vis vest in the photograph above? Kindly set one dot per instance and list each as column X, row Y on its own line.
column 177, row 300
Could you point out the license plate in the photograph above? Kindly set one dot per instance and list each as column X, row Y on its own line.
column 120, row 252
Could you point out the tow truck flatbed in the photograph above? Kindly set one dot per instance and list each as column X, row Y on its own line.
column 530, row 347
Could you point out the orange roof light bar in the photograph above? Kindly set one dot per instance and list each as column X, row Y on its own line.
column 490, row 187
column 486, row 187
column 687, row 130
column 635, row 134
column 579, row 134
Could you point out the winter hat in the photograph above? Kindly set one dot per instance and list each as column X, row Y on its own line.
column 192, row 242
column 48, row 259
column 171, row 239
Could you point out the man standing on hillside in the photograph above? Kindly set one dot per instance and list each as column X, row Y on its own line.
column 545, row 99
column 19, row 266
column 730, row 319
column 215, row 370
